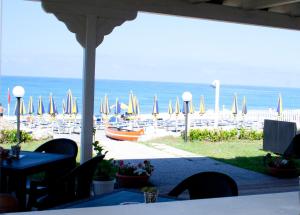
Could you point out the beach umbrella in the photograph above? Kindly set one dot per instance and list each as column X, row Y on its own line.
column 63, row 106
column 101, row 106
column 75, row 106
column 136, row 106
column 117, row 107
column 170, row 108
column 244, row 106
column 279, row 105
column 8, row 101
column 130, row 104
column 69, row 102
column 106, row 105
column 202, row 106
column 51, row 106
column 155, row 110
column 177, row 107
column 40, row 109
column 191, row 108
column 22, row 107
column 30, row 106
column 234, row 108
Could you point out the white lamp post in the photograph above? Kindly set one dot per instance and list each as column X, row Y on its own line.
column 186, row 97
column 18, row 92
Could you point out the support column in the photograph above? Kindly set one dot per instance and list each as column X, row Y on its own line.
column 88, row 88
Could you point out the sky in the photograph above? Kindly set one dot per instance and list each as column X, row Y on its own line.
column 153, row 48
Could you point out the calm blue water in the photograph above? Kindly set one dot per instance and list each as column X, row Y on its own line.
column 257, row 97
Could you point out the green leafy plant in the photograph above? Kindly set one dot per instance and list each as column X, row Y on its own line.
column 149, row 189
column 10, row 136
column 143, row 168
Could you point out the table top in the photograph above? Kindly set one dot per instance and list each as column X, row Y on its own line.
column 115, row 198
column 29, row 160
column 267, row 204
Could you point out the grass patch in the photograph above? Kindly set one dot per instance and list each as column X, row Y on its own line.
column 246, row 154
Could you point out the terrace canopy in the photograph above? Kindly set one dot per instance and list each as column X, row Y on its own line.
column 91, row 20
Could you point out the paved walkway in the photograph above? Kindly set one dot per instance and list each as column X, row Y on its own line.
column 173, row 165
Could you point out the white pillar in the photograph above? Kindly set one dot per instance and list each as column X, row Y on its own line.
column 88, row 89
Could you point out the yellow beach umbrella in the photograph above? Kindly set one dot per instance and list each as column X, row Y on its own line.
column 191, row 108
column 137, row 106
column 30, row 106
column 202, row 106
column 130, row 104
column 177, row 107
column 279, row 105
column 40, row 109
column 155, row 110
column 75, row 106
column 22, row 107
column 170, row 108
column 51, row 106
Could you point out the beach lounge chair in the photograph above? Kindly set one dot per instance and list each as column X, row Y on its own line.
column 206, row 185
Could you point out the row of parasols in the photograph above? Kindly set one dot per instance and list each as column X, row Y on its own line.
column 132, row 108
column 69, row 107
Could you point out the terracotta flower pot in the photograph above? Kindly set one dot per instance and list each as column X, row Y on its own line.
column 132, row 181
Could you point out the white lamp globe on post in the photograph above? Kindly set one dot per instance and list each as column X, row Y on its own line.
column 186, row 97
column 18, row 92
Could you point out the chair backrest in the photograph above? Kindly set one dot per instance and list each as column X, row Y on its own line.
column 59, row 146
column 79, row 180
column 206, row 185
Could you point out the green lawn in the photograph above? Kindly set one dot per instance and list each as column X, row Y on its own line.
column 242, row 153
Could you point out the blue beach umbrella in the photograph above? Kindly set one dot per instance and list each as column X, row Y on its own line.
column 244, row 106
column 155, row 109
column 279, row 105
column 234, row 108
column 51, row 107
column 202, row 106
column 30, row 106
column 69, row 102
column 117, row 107
column 40, row 109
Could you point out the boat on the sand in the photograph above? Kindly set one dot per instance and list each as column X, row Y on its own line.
column 123, row 134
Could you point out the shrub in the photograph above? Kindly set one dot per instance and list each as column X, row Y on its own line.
column 10, row 136
column 222, row 135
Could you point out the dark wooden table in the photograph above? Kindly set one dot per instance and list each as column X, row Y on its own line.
column 28, row 164
column 119, row 197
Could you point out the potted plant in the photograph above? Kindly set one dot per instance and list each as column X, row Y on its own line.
column 134, row 175
column 281, row 167
column 105, row 174
column 150, row 194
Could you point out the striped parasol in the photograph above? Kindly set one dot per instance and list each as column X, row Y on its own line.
column 177, row 107
column 117, row 107
column 22, row 108
column 170, row 108
column 69, row 102
column 130, row 104
column 106, row 105
column 40, row 109
column 279, row 105
column 51, row 107
column 202, row 106
column 30, row 106
column 75, row 106
column 234, row 108
column 244, row 106
column 136, row 106
column 155, row 109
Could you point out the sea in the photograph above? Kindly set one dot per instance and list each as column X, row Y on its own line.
column 258, row 97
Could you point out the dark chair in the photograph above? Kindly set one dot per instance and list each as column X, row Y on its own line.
column 73, row 186
column 59, row 146
column 206, row 185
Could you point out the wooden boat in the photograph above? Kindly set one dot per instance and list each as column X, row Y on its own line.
column 123, row 134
